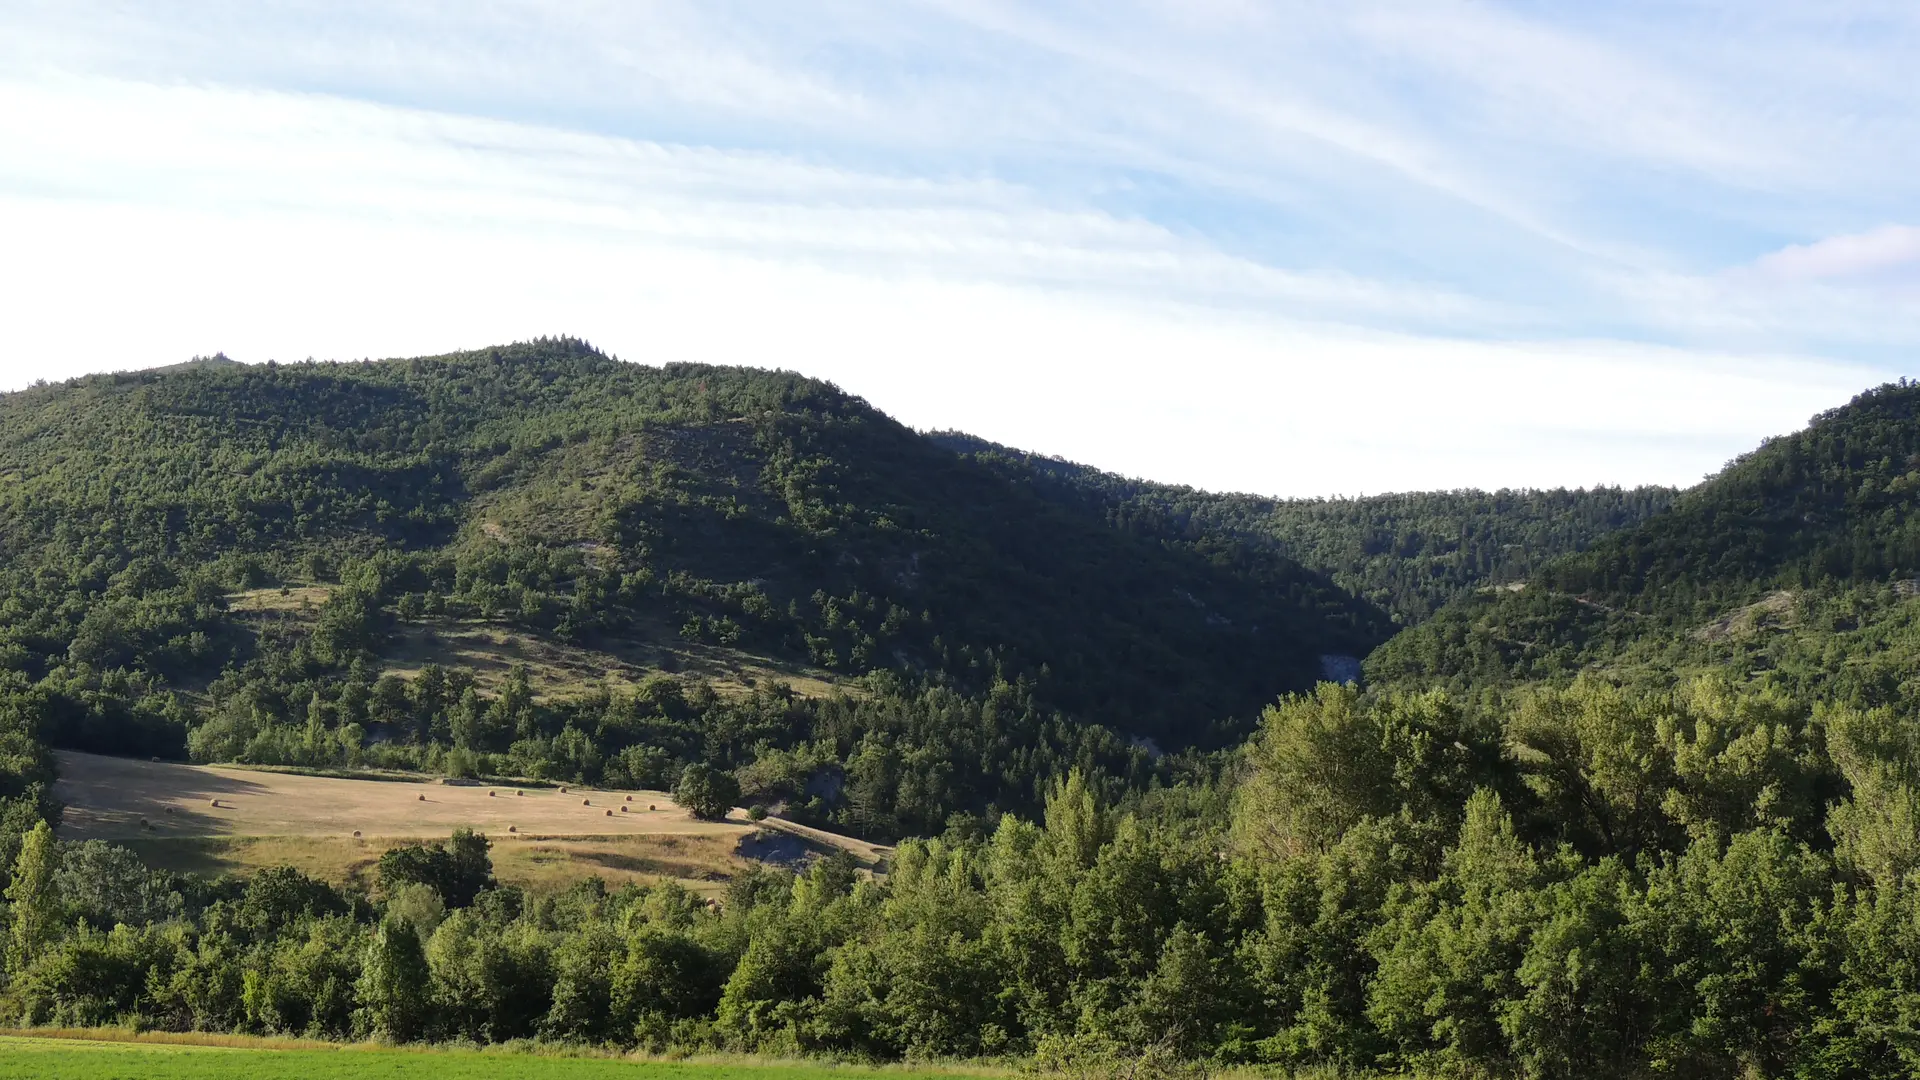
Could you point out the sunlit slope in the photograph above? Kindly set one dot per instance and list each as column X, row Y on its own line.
column 761, row 511
column 1809, row 536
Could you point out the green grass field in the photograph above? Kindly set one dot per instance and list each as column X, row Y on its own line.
column 71, row 1059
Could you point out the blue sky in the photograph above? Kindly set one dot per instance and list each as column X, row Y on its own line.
column 1296, row 249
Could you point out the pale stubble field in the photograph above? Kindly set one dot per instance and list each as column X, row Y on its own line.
column 213, row 819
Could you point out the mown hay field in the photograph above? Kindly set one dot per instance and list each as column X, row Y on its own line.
column 220, row 819
column 109, row 798
column 153, row 1059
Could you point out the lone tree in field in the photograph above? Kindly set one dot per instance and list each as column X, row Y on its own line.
column 706, row 792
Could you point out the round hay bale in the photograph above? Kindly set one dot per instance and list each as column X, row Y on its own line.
column 650, row 806
column 609, row 813
column 145, row 824
column 586, row 802
column 517, row 793
column 491, row 794
column 623, row 809
column 513, row 828
column 563, row 789
column 423, row 796
column 629, row 798
column 169, row 809
column 215, row 803
column 356, row 834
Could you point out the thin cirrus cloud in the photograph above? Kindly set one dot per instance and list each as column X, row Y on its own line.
column 1879, row 254
column 1291, row 248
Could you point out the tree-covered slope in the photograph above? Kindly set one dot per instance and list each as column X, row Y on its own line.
column 1410, row 553
column 1806, row 533
column 1715, row 877
column 552, row 490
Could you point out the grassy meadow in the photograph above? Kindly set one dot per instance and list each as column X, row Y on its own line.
column 540, row 864
column 90, row 1057
column 488, row 650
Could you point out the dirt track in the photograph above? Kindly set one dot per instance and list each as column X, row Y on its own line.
column 108, row 797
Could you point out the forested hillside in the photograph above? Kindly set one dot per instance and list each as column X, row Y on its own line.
column 1793, row 566
column 1409, row 553
column 1654, row 812
column 330, row 564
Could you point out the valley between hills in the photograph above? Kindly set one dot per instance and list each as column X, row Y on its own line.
column 530, row 694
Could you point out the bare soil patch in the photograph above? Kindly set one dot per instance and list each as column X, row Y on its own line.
column 293, row 598
column 1773, row 612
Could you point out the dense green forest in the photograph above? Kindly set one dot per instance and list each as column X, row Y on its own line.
column 981, row 638
column 1634, row 789
column 1793, row 567
column 1585, row 882
column 1409, row 553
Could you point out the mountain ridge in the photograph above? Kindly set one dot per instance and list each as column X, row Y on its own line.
column 1822, row 513
column 548, row 489
column 1409, row 552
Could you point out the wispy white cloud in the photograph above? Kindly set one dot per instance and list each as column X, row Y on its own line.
column 1528, row 80
column 210, row 148
column 1873, row 255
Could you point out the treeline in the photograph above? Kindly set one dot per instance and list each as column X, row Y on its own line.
column 1574, row 883
column 1410, row 553
column 27, row 769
